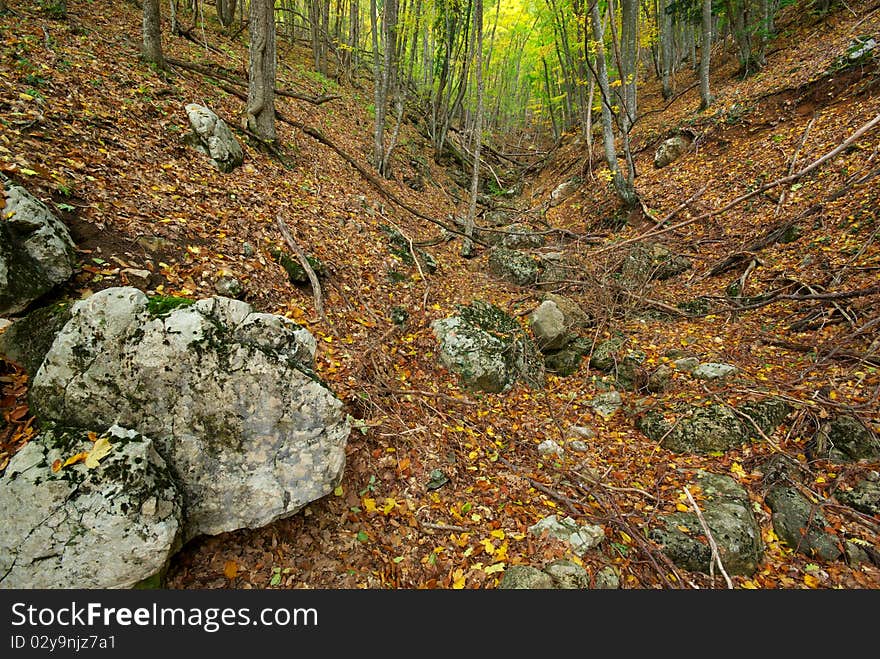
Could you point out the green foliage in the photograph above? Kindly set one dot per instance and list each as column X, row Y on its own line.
column 161, row 305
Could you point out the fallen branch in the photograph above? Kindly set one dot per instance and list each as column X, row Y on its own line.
column 304, row 262
column 843, row 356
column 716, row 556
column 769, row 186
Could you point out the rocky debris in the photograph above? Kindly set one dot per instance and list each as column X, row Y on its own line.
column 659, row 379
column 521, row 236
column 671, row 150
column 714, row 427
column 649, row 262
column 229, row 397
column 36, row 250
column 228, row 286
column 580, row 432
column 686, row 364
column 566, row 361
column 210, row 135
column 727, row 511
column 567, row 575
column 488, row 348
column 549, row 448
column 713, row 371
column 556, row 321
column 581, row 538
column 607, row 402
column 109, row 522
column 28, row 339
column 525, row 577
column 578, row 446
column 845, row 439
column 607, row 354
column 514, row 266
column 801, row 524
column 611, row 357
column 865, row 496
column 607, row 579
column 564, row 190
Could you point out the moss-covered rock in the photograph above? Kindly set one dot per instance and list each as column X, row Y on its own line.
column 514, row 266
column 651, row 261
column 846, row 439
column 295, row 272
column 801, row 524
column 27, row 340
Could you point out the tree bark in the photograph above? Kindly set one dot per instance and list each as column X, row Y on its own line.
column 706, row 49
column 225, row 11
column 152, row 34
column 261, row 71
column 467, row 246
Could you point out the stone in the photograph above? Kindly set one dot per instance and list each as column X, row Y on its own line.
column 582, row 538
column 846, row 439
column 549, row 448
column 865, row 496
column 228, row 395
column 671, row 150
column 228, row 286
column 137, row 277
column 707, row 429
column 556, row 322
column 607, row 402
column 801, row 524
column 567, row 575
column 582, row 432
column 578, row 446
column 488, row 349
column 648, row 261
column 713, row 371
column 659, row 379
column 525, row 577
column 514, row 266
column 607, row 354
column 36, row 250
column 521, row 236
column 210, row 135
column 564, row 190
column 28, row 339
column 607, row 579
column 686, row 364
column 110, row 525
column 727, row 511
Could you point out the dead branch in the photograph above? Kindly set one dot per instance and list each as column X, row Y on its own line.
column 716, row 556
column 304, row 262
column 843, row 356
column 768, row 186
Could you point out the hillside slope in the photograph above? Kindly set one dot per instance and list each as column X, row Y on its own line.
column 91, row 129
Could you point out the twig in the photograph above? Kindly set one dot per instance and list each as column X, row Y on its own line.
column 444, row 527
column 304, row 262
column 431, row 394
column 793, row 162
column 716, row 556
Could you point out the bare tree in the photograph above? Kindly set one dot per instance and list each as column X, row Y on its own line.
column 467, row 247
column 152, row 34
column 706, row 48
column 261, row 71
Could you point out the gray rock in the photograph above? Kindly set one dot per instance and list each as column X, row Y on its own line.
column 607, row 402
column 687, row 364
column 581, row 538
column 567, row 575
column 607, row 354
column 521, row 236
column 607, row 579
column 514, row 266
column 846, row 439
column 578, row 446
column 229, row 286
column 671, row 150
column 727, row 511
column 563, row 191
column 212, row 136
column 36, row 251
column 525, row 577
column 556, row 267
column 548, row 447
column 488, row 348
column 865, row 496
column 713, row 371
column 706, row 429
column 556, row 321
column 582, row 432
column 800, row 524
column 112, row 525
column 651, row 261
column 27, row 340
column 659, row 380
column 228, row 396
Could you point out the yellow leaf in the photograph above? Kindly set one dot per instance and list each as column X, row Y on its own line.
column 458, row 579
column 488, row 547
column 338, row 491
column 501, row 553
column 230, row 569
column 79, row 457
column 101, row 449
column 497, row 533
column 736, row 469
column 811, row 581
column 681, row 507
column 389, row 505
column 750, row 585
column 495, row 567
column 369, row 505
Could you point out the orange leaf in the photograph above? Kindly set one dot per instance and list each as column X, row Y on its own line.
column 230, row 569
column 72, row 460
column 56, row 466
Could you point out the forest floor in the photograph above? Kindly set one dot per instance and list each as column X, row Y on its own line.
column 86, row 126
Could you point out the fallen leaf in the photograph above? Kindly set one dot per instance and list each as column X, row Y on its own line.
column 101, row 449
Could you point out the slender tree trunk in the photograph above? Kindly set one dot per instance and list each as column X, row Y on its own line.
column 152, row 34
column 379, row 92
column 225, row 11
column 261, row 70
column 705, row 53
column 666, row 48
column 467, row 245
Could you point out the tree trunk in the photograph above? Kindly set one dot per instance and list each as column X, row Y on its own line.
column 225, row 11
column 666, row 48
column 152, row 33
column 379, row 98
column 261, row 70
column 467, row 247
column 706, row 49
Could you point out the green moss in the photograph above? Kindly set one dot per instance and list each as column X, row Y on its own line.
column 161, row 305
